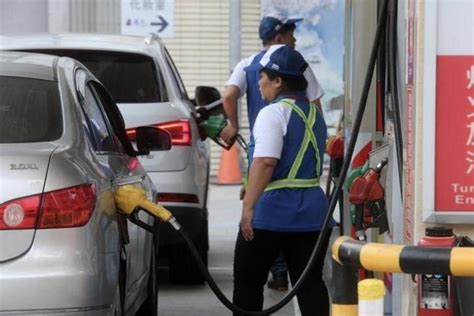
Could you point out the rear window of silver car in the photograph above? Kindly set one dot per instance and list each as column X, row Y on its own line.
column 129, row 77
column 30, row 110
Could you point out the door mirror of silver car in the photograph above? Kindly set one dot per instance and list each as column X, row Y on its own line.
column 205, row 95
column 150, row 138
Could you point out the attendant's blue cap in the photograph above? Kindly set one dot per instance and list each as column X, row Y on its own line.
column 270, row 25
column 282, row 59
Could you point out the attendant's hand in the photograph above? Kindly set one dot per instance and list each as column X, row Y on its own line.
column 228, row 133
column 246, row 224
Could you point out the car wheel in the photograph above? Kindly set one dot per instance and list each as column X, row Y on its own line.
column 183, row 266
column 150, row 306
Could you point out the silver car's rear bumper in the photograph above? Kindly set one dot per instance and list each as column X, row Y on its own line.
column 86, row 311
column 185, row 181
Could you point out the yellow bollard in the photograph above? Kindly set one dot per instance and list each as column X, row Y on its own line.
column 371, row 293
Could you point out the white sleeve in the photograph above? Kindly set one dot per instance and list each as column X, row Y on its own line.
column 314, row 90
column 238, row 77
column 269, row 130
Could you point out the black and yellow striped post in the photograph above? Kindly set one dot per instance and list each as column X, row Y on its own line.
column 454, row 261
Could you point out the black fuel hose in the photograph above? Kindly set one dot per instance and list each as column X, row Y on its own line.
column 333, row 199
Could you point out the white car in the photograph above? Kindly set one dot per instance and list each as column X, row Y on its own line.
column 141, row 76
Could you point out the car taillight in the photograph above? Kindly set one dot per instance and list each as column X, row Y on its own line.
column 180, row 132
column 69, row 207
column 177, row 198
column 19, row 213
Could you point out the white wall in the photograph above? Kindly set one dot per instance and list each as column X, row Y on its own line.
column 23, row 16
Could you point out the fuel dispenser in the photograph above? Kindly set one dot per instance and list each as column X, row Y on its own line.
column 442, row 294
column 436, row 291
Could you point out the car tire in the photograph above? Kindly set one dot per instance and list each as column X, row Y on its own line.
column 183, row 266
column 150, row 306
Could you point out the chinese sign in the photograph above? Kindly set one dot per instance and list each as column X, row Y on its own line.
column 454, row 164
column 141, row 17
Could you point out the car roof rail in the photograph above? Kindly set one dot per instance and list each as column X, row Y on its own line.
column 150, row 38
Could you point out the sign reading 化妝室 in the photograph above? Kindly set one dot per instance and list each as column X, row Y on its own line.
column 141, row 17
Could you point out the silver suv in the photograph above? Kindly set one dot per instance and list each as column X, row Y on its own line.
column 64, row 249
column 143, row 80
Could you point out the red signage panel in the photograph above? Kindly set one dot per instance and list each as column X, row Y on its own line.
column 454, row 160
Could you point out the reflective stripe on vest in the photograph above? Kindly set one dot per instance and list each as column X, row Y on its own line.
column 291, row 181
